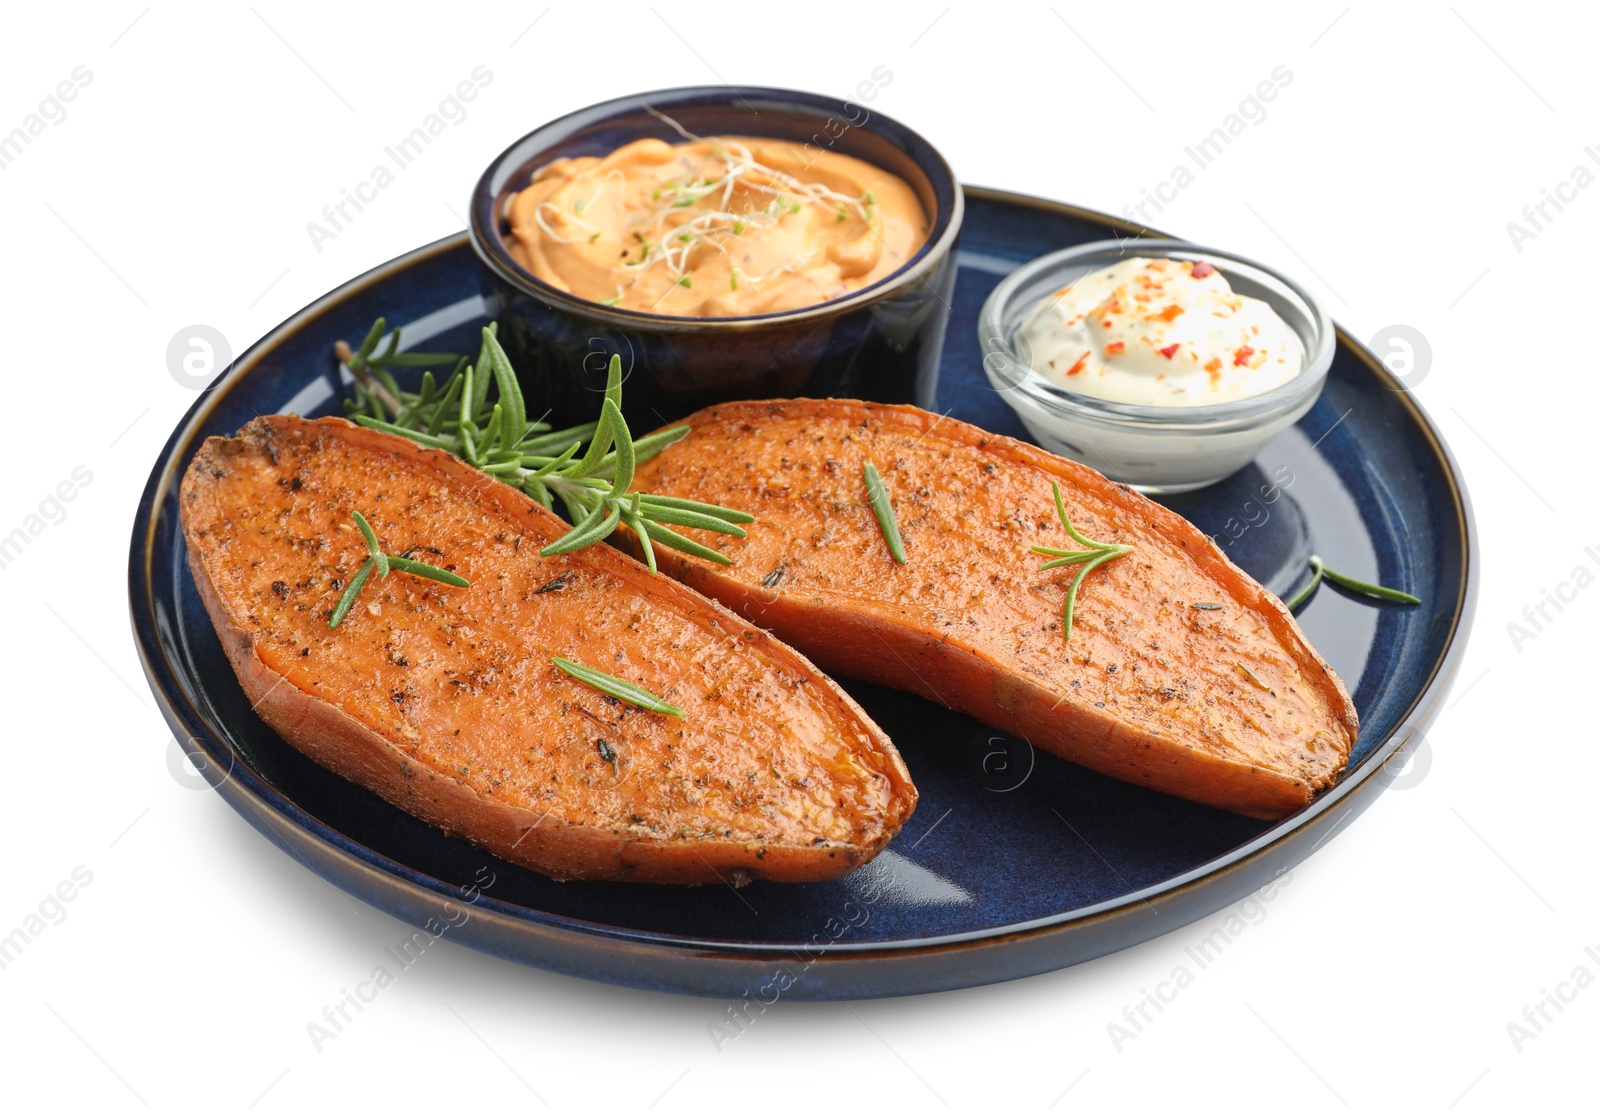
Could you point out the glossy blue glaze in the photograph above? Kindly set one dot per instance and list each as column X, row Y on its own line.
column 1015, row 862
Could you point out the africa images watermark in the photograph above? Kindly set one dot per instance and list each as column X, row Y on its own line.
column 339, row 1015
column 1203, row 153
column 49, row 912
column 1256, row 512
column 1552, row 603
column 1551, row 1003
column 49, row 512
column 452, row 110
column 51, row 110
column 1536, row 216
column 853, row 915
column 1247, row 913
column 853, row 115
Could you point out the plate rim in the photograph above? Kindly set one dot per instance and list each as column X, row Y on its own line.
column 1355, row 791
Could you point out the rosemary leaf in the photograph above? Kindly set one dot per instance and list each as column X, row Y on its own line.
column 670, row 538
column 404, row 432
column 732, row 515
column 643, row 450
column 423, row 570
column 348, row 598
column 1368, row 589
column 614, row 379
column 480, row 386
column 684, row 517
column 1061, row 510
column 469, row 404
column 598, row 445
column 593, row 528
column 1300, row 596
column 556, row 440
column 385, row 377
column 492, row 429
column 617, row 688
column 623, row 474
column 884, row 511
column 447, row 400
column 1254, row 678
column 412, row 360
column 1064, row 558
column 652, row 444
column 1320, row 570
column 370, row 342
column 389, row 345
column 556, row 462
column 506, row 381
column 636, row 524
column 1072, row 592
column 379, row 559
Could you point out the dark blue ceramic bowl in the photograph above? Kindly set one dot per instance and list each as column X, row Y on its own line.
column 1015, row 862
column 880, row 343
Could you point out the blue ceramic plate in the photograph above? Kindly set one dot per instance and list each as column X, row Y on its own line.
column 1014, row 863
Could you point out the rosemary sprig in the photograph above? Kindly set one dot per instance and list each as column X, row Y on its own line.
column 371, row 369
column 498, row 438
column 1319, row 571
column 617, row 688
column 1094, row 554
column 884, row 510
column 382, row 563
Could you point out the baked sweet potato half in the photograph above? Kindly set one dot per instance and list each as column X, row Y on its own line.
column 1181, row 674
column 446, row 700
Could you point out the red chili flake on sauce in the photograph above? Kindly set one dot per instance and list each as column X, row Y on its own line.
column 1077, row 365
column 1169, row 350
column 1201, row 269
column 1242, row 356
column 1115, row 347
column 1170, row 313
column 1214, row 365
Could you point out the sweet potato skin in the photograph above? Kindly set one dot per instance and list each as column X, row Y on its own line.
column 1148, row 690
column 383, row 699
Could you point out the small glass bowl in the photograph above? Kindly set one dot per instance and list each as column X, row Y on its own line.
column 1149, row 448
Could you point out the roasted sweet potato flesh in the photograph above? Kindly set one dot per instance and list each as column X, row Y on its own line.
column 444, row 700
column 1228, row 706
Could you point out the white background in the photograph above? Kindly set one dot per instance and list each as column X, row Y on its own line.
column 177, row 191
